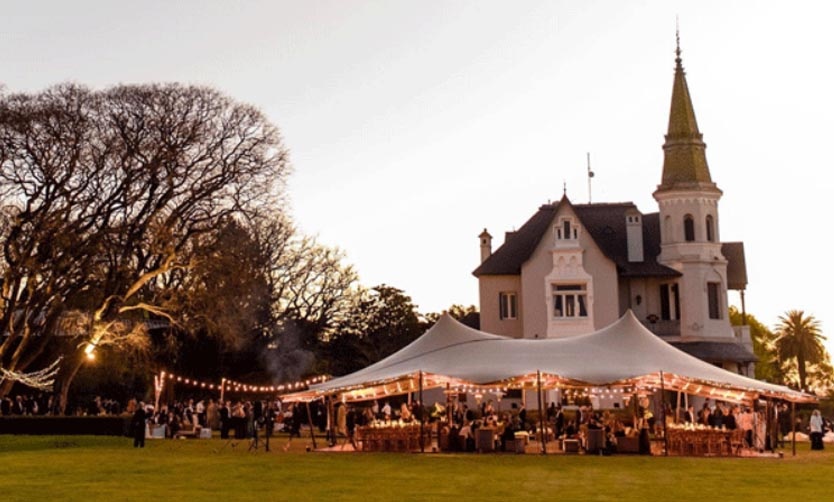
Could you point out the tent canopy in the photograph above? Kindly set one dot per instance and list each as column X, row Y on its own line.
column 622, row 354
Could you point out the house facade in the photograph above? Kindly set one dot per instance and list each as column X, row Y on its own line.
column 576, row 268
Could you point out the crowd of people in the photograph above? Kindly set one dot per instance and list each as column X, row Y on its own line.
column 243, row 419
column 47, row 404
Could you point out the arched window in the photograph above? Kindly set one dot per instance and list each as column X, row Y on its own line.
column 667, row 229
column 710, row 228
column 688, row 228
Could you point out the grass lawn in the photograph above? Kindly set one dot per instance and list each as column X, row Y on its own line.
column 97, row 468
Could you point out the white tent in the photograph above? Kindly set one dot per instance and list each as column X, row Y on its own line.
column 624, row 354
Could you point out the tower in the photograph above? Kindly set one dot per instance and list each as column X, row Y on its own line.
column 689, row 237
column 486, row 245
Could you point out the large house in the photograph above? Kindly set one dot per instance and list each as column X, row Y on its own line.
column 575, row 268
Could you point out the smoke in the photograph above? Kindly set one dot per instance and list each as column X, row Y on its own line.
column 285, row 358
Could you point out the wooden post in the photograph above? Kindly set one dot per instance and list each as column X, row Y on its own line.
column 331, row 420
column 422, row 418
column 768, row 439
column 678, row 409
column 449, row 404
column 793, row 428
column 543, row 432
column 312, row 427
column 663, row 415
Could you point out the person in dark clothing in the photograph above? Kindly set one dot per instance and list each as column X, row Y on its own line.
column 137, row 424
column 225, row 418
column 350, row 422
column 784, row 418
column 269, row 424
column 559, row 418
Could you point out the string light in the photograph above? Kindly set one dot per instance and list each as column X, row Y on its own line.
column 232, row 385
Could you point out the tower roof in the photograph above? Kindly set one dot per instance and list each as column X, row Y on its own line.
column 685, row 160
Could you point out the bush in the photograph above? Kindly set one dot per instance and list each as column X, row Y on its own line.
column 70, row 426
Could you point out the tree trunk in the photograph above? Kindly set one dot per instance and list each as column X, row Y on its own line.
column 66, row 381
column 6, row 387
column 800, row 368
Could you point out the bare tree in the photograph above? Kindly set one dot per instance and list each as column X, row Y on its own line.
column 105, row 194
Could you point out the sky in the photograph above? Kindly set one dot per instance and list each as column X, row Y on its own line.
column 414, row 125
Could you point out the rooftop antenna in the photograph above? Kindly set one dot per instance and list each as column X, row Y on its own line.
column 590, row 175
column 677, row 41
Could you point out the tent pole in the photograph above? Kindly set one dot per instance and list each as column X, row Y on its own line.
column 678, row 409
column 312, row 428
column 331, row 421
column 793, row 428
column 422, row 418
column 449, row 416
column 222, row 389
column 768, row 440
column 663, row 415
column 543, row 432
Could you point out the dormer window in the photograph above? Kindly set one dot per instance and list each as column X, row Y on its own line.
column 566, row 230
column 688, row 228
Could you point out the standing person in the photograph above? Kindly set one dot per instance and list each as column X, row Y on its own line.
column 138, row 426
column 251, row 426
column 689, row 415
column 212, row 416
column 559, row 420
column 816, row 430
column 522, row 417
column 269, row 424
column 225, row 420
column 200, row 409
column 784, row 423
column 351, row 419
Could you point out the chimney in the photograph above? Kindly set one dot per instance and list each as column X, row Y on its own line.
column 634, row 235
column 486, row 245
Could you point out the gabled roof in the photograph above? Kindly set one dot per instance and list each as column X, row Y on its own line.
column 518, row 246
column 606, row 224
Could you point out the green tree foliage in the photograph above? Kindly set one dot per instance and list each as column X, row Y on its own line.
column 799, row 339
column 768, row 366
column 466, row 315
column 382, row 320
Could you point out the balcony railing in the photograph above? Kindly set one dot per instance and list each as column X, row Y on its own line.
column 664, row 328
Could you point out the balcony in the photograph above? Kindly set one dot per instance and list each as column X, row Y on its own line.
column 663, row 328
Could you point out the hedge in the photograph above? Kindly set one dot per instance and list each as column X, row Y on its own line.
column 46, row 425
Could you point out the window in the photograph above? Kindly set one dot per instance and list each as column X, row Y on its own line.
column 670, row 306
column 710, row 228
column 566, row 230
column 688, row 228
column 507, row 306
column 713, row 297
column 570, row 300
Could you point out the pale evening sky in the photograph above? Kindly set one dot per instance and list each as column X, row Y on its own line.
column 413, row 125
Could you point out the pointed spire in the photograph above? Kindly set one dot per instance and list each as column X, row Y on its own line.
column 685, row 160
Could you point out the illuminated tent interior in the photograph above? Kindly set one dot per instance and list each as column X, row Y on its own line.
column 624, row 355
